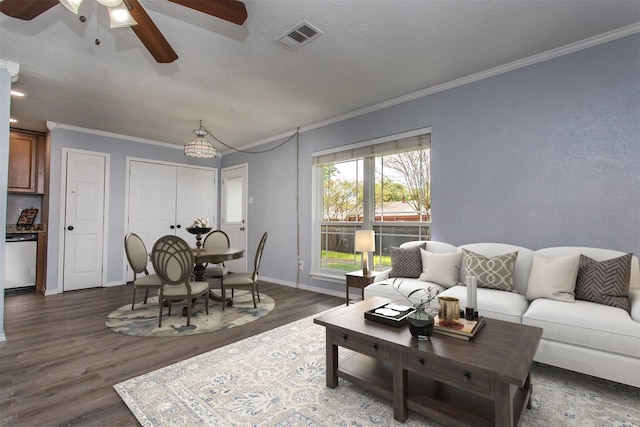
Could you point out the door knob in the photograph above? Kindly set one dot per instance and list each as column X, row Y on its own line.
column 70, row 228
column 178, row 226
column 172, row 227
column 241, row 228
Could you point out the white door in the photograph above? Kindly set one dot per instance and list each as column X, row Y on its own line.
column 152, row 201
column 84, row 221
column 196, row 194
column 234, row 213
column 163, row 199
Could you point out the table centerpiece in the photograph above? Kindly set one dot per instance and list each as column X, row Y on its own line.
column 199, row 226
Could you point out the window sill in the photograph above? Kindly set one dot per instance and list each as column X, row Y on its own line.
column 328, row 277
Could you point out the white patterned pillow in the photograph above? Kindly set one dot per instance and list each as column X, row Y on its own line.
column 405, row 262
column 493, row 273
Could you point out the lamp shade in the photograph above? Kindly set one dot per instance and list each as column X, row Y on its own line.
column 200, row 147
column 365, row 241
column 119, row 16
column 109, row 3
column 72, row 5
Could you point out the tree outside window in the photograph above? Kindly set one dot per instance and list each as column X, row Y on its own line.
column 401, row 199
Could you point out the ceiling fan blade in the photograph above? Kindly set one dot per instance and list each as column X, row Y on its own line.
column 26, row 9
column 149, row 34
column 229, row 10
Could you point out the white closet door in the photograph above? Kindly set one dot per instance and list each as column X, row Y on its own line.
column 152, row 201
column 196, row 194
column 163, row 199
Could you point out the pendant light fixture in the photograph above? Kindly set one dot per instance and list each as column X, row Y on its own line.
column 200, row 147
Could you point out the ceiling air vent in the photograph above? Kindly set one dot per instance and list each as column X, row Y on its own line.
column 301, row 34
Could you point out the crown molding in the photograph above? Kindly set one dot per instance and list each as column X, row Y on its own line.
column 13, row 68
column 54, row 125
column 545, row 56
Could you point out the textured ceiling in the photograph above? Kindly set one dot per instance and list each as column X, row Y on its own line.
column 248, row 89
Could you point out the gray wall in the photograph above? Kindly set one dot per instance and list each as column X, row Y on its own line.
column 119, row 150
column 546, row 155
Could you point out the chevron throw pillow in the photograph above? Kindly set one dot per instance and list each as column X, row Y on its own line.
column 405, row 262
column 493, row 273
column 605, row 282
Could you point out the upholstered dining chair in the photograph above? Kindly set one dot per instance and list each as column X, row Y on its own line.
column 216, row 239
column 173, row 261
column 248, row 279
column 138, row 260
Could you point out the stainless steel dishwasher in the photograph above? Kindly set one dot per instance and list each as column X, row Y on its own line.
column 20, row 260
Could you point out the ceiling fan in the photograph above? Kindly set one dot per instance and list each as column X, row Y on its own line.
column 230, row 10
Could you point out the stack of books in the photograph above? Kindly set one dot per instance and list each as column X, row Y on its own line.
column 460, row 328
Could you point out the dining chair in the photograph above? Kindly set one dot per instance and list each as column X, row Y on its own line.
column 138, row 260
column 173, row 261
column 216, row 239
column 248, row 279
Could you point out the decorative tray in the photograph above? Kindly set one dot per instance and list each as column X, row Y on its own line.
column 391, row 314
column 27, row 217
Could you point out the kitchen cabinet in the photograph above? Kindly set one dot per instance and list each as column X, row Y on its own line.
column 26, row 162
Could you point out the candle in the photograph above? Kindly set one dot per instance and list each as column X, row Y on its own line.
column 469, row 293
column 474, row 292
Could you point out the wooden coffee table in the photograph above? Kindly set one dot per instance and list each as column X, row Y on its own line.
column 482, row 382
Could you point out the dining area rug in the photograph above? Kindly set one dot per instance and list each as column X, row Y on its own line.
column 142, row 321
column 277, row 378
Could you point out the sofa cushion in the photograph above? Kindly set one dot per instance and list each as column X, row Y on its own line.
column 405, row 262
column 553, row 278
column 494, row 304
column 585, row 324
column 605, row 282
column 493, row 273
column 442, row 269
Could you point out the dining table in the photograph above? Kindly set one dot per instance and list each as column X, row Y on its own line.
column 214, row 256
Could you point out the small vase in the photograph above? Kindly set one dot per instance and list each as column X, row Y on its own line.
column 421, row 324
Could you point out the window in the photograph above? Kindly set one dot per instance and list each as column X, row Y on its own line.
column 384, row 185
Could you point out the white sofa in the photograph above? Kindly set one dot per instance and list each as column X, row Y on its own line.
column 581, row 336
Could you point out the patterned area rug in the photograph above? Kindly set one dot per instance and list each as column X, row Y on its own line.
column 277, row 378
column 142, row 321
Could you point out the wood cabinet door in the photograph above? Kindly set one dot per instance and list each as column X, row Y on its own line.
column 22, row 163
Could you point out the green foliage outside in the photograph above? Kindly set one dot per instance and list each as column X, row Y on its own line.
column 347, row 262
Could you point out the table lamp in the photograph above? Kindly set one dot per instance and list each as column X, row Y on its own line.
column 365, row 243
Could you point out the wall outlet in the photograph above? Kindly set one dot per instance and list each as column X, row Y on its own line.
column 300, row 265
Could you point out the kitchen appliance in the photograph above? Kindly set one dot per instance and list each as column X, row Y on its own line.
column 20, row 260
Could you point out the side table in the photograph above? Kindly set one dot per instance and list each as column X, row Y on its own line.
column 356, row 279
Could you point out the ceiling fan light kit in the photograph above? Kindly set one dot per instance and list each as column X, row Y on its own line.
column 233, row 11
column 119, row 16
column 200, row 147
column 72, row 5
column 110, row 3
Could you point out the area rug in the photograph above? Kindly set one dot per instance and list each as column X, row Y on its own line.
column 277, row 378
column 142, row 321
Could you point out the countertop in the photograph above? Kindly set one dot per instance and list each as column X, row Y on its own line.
column 35, row 228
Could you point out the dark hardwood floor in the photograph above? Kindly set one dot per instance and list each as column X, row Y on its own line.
column 59, row 363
